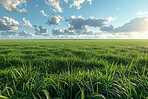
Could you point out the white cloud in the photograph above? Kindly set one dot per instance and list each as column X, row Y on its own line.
column 11, row 5
column 125, row 35
column 55, row 4
column 45, row 34
column 79, row 25
column 23, row 11
column 10, row 34
column 56, row 32
column 111, row 19
column 66, row 1
column 23, row 33
column 8, row 24
column 82, row 23
column 7, row 34
column 142, row 13
column 36, row 5
column 43, row 13
column 77, row 3
column 72, row 17
column 55, row 20
column 107, row 28
column 27, row 23
column 117, row 9
column 135, row 25
column 90, row 1
column 39, row 30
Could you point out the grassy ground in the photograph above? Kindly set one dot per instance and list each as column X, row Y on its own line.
column 74, row 69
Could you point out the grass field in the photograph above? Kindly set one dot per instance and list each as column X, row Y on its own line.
column 74, row 69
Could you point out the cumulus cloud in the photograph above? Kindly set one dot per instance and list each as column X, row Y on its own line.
column 111, row 19
column 79, row 26
column 56, row 32
column 85, row 32
column 27, row 23
column 8, row 24
column 135, row 25
column 77, row 3
column 142, row 13
column 107, row 28
column 23, row 33
column 11, row 5
column 136, row 28
column 39, row 30
column 72, row 17
column 55, row 20
column 55, row 4
column 23, row 11
column 90, row 1
column 43, row 13
column 82, row 23
column 66, row 1
column 10, row 34
column 7, row 34
column 45, row 34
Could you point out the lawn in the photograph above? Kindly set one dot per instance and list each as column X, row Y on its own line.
column 74, row 69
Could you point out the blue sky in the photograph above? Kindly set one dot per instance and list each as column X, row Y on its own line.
column 121, row 11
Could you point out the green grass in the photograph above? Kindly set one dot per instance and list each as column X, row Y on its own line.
column 74, row 69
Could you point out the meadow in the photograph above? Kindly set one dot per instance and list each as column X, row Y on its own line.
column 74, row 69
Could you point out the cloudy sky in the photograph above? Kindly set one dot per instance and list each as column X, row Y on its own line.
column 73, row 19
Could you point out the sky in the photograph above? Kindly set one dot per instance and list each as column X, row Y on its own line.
column 73, row 19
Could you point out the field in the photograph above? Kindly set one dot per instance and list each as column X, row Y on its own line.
column 74, row 69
